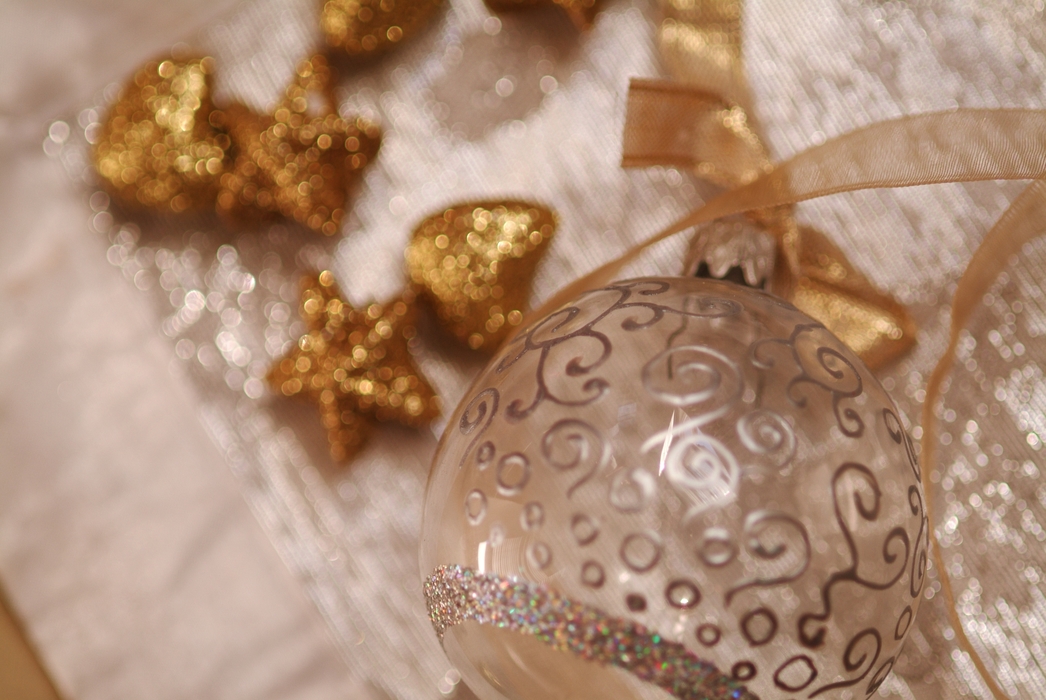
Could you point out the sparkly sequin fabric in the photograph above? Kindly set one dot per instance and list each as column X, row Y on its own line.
column 484, row 106
column 455, row 594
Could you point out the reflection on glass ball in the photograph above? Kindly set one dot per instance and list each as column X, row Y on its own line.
column 674, row 485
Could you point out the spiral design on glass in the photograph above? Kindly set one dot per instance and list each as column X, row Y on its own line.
column 765, row 432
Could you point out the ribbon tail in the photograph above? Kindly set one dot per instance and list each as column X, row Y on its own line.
column 1024, row 221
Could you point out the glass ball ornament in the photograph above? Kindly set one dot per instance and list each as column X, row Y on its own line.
column 674, row 487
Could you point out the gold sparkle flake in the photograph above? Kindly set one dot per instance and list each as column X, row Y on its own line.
column 581, row 12
column 475, row 263
column 356, row 365
column 158, row 147
column 300, row 161
column 369, row 27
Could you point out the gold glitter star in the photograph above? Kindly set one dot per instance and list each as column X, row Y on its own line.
column 158, row 147
column 164, row 146
column 369, row 27
column 356, row 365
column 475, row 262
column 581, row 12
column 300, row 161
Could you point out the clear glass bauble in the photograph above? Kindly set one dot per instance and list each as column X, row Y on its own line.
column 695, row 457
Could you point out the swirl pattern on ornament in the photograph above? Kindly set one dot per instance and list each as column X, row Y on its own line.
column 633, row 461
column 571, row 445
column 762, row 544
column 859, row 479
column 821, row 366
column 559, row 328
column 485, row 408
column 900, row 436
column 766, row 432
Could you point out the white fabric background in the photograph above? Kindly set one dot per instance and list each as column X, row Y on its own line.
column 124, row 542
column 124, row 539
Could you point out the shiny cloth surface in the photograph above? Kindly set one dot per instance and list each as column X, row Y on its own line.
column 479, row 106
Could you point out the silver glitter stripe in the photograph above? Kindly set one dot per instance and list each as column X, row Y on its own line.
column 457, row 594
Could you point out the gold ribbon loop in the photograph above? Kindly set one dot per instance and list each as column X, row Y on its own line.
column 671, row 123
column 703, row 122
column 700, row 43
column 874, row 325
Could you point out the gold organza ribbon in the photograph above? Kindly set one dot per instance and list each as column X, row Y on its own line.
column 1024, row 221
column 962, row 145
column 702, row 121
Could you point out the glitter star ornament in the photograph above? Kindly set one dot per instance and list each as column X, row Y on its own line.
column 475, row 262
column 677, row 484
column 581, row 12
column 356, row 365
column 164, row 146
column 158, row 147
column 300, row 161
column 370, row 27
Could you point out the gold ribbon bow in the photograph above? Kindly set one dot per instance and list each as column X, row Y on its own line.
column 165, row 146
column 702, row 122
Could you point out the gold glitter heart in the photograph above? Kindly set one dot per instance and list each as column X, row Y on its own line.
column 369, row 27
column 356, row 365
column 300, row 161
column 158, row 147
column 475, row 263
